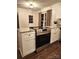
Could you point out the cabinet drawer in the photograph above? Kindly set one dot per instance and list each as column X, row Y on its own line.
column 28, row 44
column 28, row 36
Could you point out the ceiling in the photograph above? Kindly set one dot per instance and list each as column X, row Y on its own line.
column 39, row 4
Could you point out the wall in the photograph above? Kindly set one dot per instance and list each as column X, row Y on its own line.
column 56, row 13
column 45, row 9
column 24, row 19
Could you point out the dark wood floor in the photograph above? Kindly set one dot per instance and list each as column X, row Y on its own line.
column 52, row 51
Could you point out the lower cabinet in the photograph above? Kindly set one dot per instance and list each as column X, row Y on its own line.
column 27, row 43
column 28, row 46
column 55, row 34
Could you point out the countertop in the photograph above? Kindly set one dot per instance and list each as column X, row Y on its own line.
column 24, row 30
column 41, row 32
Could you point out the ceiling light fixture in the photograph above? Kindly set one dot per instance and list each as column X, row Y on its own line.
column 31, row 5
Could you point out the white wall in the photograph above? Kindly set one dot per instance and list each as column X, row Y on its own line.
column 56, row 12
column 24, row 19
column 45, row 9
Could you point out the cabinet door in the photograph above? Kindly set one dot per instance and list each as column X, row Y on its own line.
column 48, row 17
column 54, row 35
column 28, row 46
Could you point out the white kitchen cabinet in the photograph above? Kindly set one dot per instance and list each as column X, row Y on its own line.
column 26, row 42
column 55, row 33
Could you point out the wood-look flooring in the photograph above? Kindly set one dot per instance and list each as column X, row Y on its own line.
column 52, row 51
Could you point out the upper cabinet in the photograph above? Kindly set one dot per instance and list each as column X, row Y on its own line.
column 48, row 17
column 45, row 18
